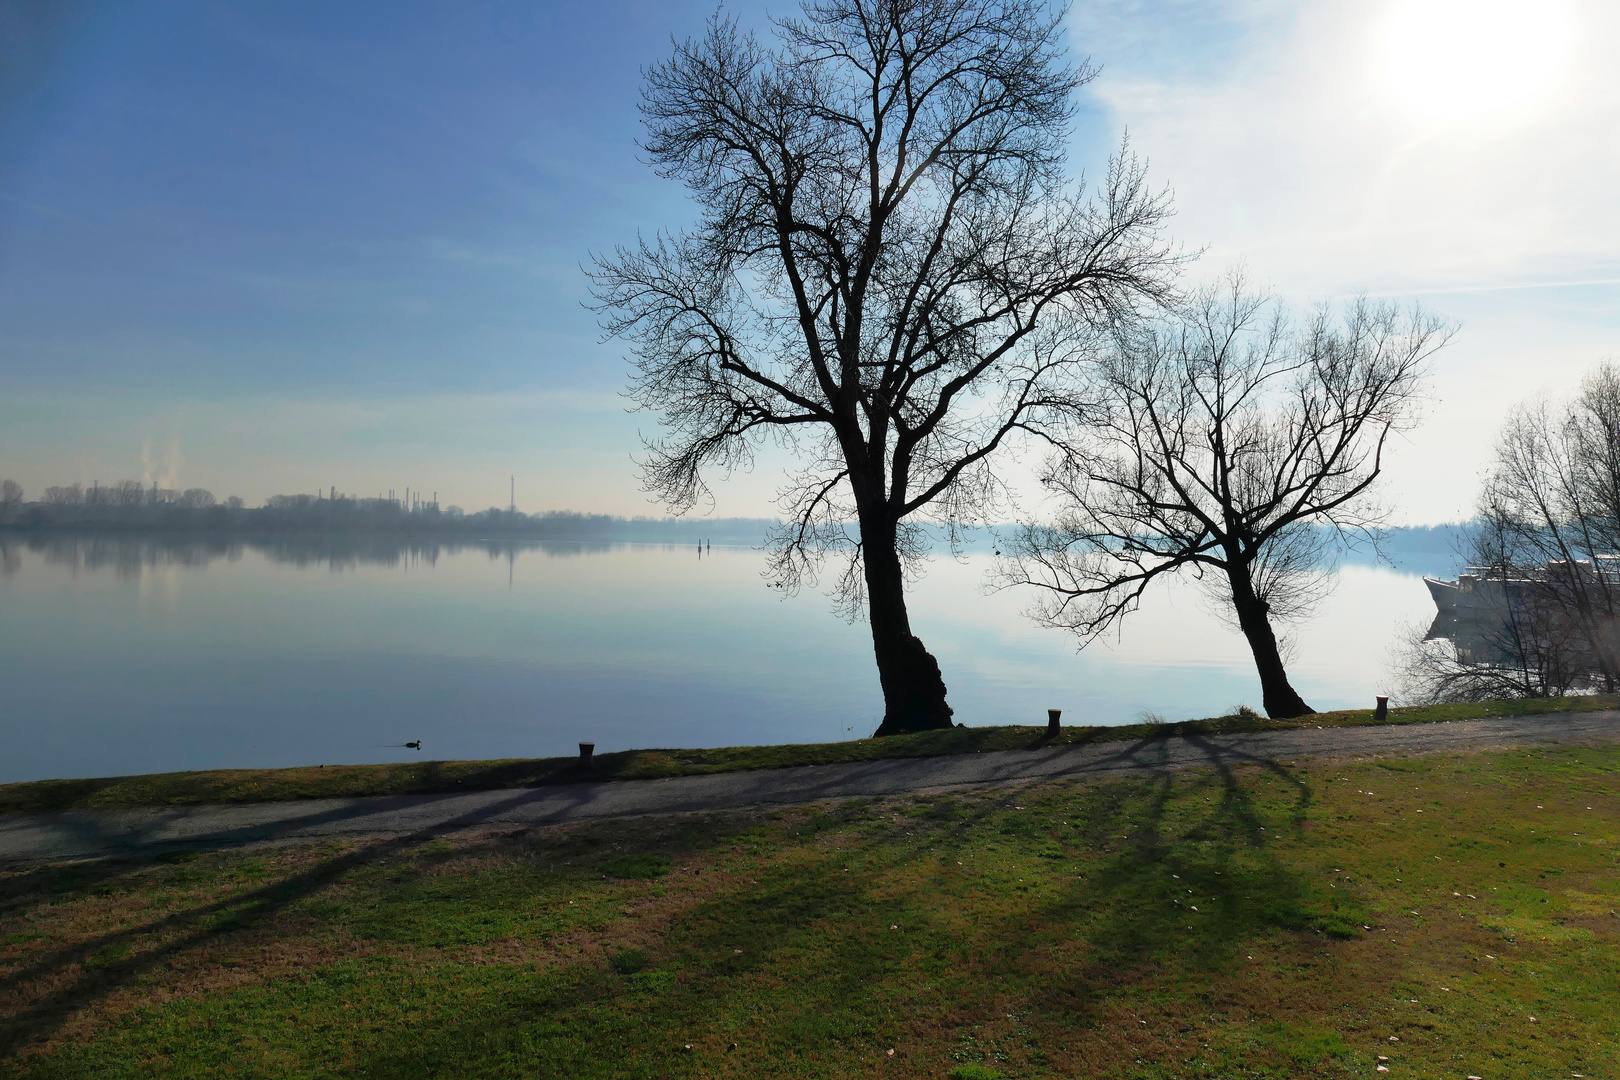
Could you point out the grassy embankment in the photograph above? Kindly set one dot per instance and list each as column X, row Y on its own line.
column 427, row 777
column 1454, row 914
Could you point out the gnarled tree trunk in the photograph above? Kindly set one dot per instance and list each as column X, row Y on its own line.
column 1278, row 695
column 913, row 688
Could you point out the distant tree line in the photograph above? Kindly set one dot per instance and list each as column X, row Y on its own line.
column 130, row 493
column 130, row 506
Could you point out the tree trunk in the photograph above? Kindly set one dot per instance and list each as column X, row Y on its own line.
column 1278, row 695
column 913, row 689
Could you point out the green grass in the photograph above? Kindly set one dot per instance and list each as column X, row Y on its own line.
column 1455, row 914
column 431, row 777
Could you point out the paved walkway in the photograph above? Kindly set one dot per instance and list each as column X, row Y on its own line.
column 81, row 834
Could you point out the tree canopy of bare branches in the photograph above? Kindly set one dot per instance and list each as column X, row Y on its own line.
column 893, row 276
column 1225, row 442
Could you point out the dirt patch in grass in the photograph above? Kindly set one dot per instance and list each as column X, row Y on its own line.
column 1268, row 921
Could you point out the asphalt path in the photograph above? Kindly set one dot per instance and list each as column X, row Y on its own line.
column 90, row 834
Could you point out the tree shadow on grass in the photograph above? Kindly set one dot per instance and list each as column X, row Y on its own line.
column 1189, row 882
column 821, row 981
column 792, row 970
column 23, row 889
column 478, row 1016
column 819, row 975
column 85, row 972
column 1185, row 875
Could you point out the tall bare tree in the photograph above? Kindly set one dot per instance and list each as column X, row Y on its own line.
column 1225, row 443
column 893, row 276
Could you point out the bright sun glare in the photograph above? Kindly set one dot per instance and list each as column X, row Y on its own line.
column 1452, row 59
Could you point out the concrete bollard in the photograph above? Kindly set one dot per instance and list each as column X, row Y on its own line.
column 1382, row 712
column 586, row 749
column 1052, row 720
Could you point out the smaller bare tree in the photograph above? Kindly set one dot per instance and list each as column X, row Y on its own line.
column 1225, row 442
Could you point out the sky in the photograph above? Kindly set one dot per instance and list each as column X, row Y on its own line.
column 282, row 247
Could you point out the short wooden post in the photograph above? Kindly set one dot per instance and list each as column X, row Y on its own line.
column 1382, row 712
column 586, row 749
column 1052, row 720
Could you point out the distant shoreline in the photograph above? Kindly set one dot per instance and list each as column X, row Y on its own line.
column 356, row 518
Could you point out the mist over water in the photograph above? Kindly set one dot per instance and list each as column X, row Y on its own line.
column 125, row 655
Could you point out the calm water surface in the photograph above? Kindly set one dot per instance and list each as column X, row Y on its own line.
column 139, row 656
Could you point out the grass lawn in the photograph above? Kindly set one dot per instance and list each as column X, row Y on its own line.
column 1454, row 914
column 427, row 777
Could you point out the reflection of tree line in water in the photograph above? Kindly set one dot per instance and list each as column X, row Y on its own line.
column 130, row 556
column 129, row 508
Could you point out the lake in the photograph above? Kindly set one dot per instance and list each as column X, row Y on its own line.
column 133, row 655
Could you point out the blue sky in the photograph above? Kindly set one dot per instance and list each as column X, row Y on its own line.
column 275, row 247
column 266, row 247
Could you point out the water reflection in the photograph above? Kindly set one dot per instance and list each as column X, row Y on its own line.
column 130, row 556
column 140, row 654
